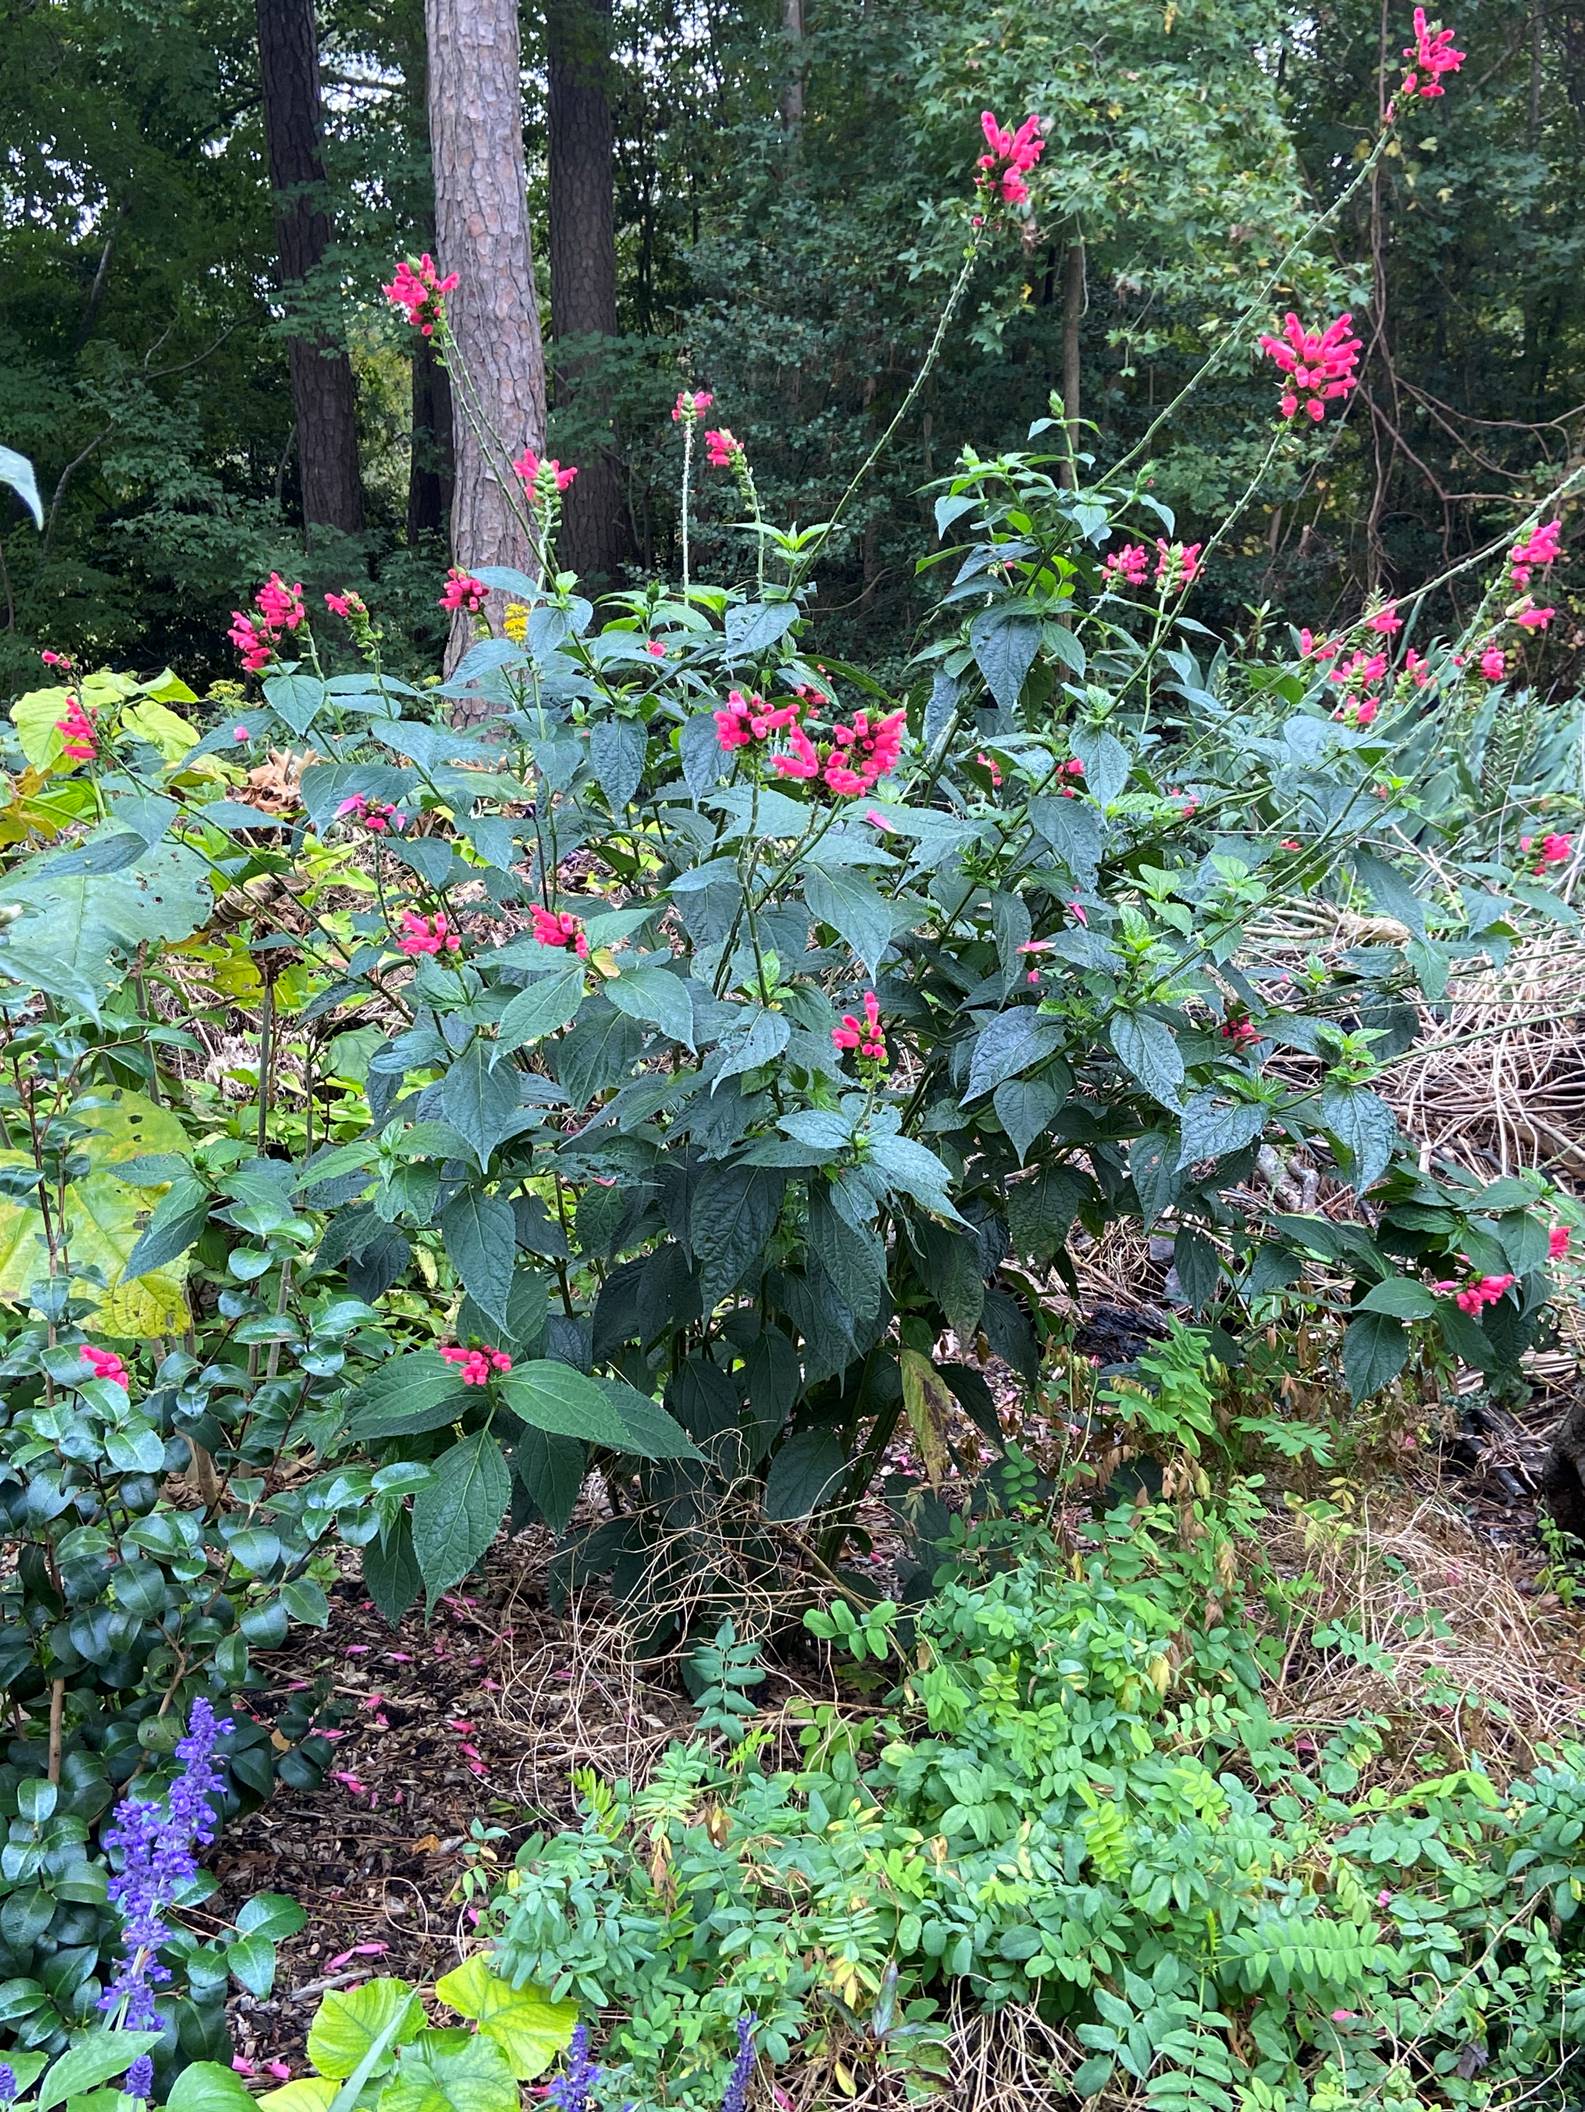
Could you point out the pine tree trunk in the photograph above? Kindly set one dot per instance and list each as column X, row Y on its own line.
column 482, row 232
column 324, row 396
column 595, row 533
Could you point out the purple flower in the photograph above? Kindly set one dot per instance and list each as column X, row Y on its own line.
column 139, row 2078
column 736, row 2099
column 8, row 2082
column 155, row 1841
column 572, row 2091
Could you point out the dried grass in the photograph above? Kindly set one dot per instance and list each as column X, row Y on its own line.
column 1405, row 1555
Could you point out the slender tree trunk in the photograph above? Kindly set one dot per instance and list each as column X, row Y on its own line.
column 429, row 465
column 583, row 270
column 792, row 95
column 482, row 232
column 324, row 396
column 1072, row 319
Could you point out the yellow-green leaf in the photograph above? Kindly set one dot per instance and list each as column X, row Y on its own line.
column 524, row 2022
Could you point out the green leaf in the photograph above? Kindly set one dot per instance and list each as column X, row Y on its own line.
column 420, row 1391
column 1024, row 1106
column 456, row 1515
column 911, row 1169
column 354, row 2023
column 1366, row 1128
column 551, row 1469
column 1214, row 1128
column 1389, row 889
column 1106, row 764
column 807, row 1472
column 1375, row 1347
column 1148, row 1049
column 656, row 995
column 270, row 1914
column 94, row 2059
column 1041, row 1209
column 451, row 2071
column 480, row 1102
column 480, row 1234
column 855, row 910
column 390, row 1569
column 650, row 1433
column 1011, row 1042
column 616, row 749
column 733, row 1216
column 1402, row 1297
column 1004, row 647
column 251, row 1959
column 758, row 1037
column 207, row 2086
column 178, row 1219
column 524, row 2022
column 552, row 1396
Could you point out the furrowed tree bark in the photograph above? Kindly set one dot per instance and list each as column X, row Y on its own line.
column 595, row 534
column 482, row 232
column 324, row 395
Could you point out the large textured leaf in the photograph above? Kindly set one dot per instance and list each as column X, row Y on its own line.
column 854, row 909
column 1004, row 648
column 351, row 2022
column 478, row 1102
column 420, row 1391
column 1375, row 1347
column 806, row 1473
column 480, row 1232
column 1148, row 1048
column 616, row 749
column 102, row 1216
column 733, row 1216
column 445, row 2071
column 927, row 1399
column 657, row 996
column 85, row 922
column 552, row 1396
column 458, row 1511
column 549, row 1002
column 524, row 2022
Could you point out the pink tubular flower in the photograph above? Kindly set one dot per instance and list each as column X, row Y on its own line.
column 1319, row 364
column 562, row 930
column 989, row 763
column 240, row 733
column 427, row 934
column 1177, row 564
column 866, row 1035
column 690, row 402
column 478, row 1366
column 1131, row 564
column 1241, row 1032
column 62, row 661
column 1542, row 546
column 351, row 603
column 1009, row 159
column 655, row 649
column 858, row 753
column 421, row 293
column 76, row 729
column 1552, row 850
column 280, row 610
column 723, row 448
column 1529, row 617
column 1430, row 56
column 743, row 721
column 1494, row 663
column 378, row 816
column 1312, row 646
column 1557, row 1242
column 463, row 591
column 539, row 477
column 106, row 1364
column 1384, row 620
column 1476, row 1293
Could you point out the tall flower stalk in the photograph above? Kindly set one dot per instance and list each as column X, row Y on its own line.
column 156, row 1839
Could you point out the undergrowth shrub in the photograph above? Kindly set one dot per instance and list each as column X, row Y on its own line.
column 1073, row 1797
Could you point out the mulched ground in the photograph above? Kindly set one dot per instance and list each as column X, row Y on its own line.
column 473, row 1721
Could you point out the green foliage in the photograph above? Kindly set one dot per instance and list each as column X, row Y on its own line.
column 1076, row 1799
